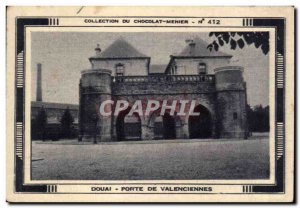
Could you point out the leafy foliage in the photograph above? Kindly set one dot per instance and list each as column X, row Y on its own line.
column 66, row 123
column 41, row 123
column 258, row 118
column 239, row 40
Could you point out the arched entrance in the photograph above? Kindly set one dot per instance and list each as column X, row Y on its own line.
column 164, row 127
column 128, row 127
column 158, row 127
column 200, row 126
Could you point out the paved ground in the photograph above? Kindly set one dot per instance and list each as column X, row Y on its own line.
column 177, row 159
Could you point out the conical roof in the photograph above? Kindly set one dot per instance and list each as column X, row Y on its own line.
column 198, row 48
column 120, row 49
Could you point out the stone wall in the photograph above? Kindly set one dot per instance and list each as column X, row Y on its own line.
column 163, row 84
column 95, row 87
column 222, row 94
column 163, row 87
column 231, row 99
column 231, row 114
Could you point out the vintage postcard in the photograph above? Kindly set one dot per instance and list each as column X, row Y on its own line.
column 150, row 104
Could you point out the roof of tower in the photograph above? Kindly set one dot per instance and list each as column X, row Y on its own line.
column 120, row 49
column 198, row 48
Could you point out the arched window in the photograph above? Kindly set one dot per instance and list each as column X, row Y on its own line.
column 120, row 69
column 202, row 68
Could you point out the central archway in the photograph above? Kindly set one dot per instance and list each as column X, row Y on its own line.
column 200, row 126
column 164, row 126
column 128, row 127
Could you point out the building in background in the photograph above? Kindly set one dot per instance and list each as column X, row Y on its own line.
column 54, row 112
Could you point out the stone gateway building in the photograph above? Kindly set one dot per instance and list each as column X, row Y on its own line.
column 123, row 73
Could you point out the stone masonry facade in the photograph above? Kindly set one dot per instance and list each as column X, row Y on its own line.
column 217, row 87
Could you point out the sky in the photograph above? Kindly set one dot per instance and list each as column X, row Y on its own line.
column 65, row 54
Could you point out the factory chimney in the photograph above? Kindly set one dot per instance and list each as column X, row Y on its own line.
column 39, row 83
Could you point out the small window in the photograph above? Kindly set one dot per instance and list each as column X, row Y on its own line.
column 120, row 70
column 174, row 69
column 234, row 116
column 202, row 68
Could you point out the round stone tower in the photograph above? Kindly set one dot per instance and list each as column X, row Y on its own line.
column 231, row 102
column 95, row 87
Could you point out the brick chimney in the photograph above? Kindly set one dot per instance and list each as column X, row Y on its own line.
column 192, row 45
column 98, row 50
column 39, row 83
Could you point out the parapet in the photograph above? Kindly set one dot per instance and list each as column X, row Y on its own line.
column 96, row 80
column 229, row 78
column 96, row 71
column 229, row 68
